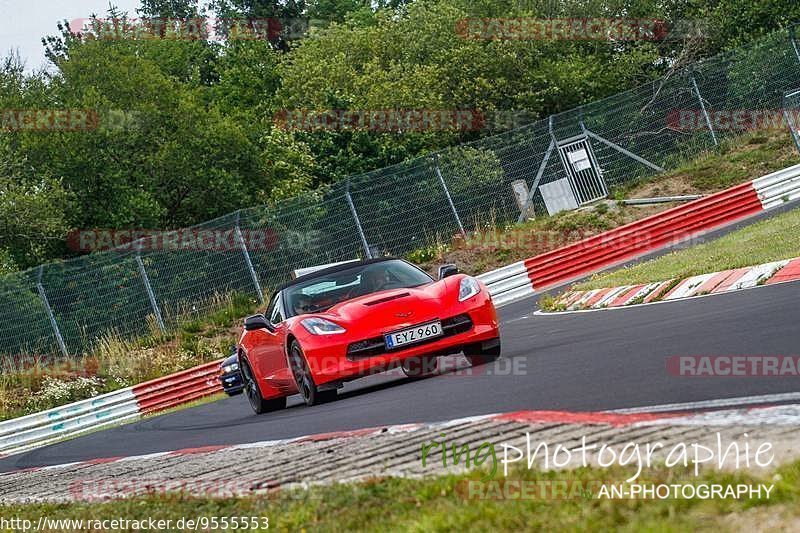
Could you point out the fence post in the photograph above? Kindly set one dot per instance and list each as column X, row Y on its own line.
column 793, row 39
column 447, row 194
column 243, row 246
column 703, row 108
column 358, row 222
column 46, row 303
column 150, row 294
column 789, row 120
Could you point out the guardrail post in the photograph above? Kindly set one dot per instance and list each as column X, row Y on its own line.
column 150, row 294
column 50, row 315
column 358, row 222
column 703, row 108
column 243, row 246
column 447, row 194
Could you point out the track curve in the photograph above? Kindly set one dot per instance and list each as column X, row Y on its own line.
column 589, row 361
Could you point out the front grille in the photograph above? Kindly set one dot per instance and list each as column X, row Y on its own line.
column 377, row 345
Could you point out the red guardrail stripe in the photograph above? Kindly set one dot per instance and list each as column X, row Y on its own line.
column 614, row 250
column 660, row 223
column 627, row 241
column 179, row 388
column 166, row 381
column 201, row 392
column 659, row 218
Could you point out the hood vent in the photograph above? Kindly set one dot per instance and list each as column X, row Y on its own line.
column 387, row 298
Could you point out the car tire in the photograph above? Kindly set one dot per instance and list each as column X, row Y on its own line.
column 305, row 381
column 253, row 393
column 420, row 367
column 477, row 355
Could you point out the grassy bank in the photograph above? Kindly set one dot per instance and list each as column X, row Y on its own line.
column 768, row 240
column 736, row 161
column 28, row 386
column 442, row 504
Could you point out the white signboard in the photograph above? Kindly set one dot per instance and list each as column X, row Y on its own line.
column 579, row 159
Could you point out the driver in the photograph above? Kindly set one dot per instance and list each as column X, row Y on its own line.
column 302, row 304
column 373, row 280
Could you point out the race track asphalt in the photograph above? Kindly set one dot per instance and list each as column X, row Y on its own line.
column 579, row 362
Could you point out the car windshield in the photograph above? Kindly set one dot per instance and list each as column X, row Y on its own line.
column 320, row 294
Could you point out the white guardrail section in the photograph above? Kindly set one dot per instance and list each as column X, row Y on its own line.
column 38, row 429
column 779, row 187
column 508, row 283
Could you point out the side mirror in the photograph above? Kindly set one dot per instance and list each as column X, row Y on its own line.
column 447, row 270
column 257, row 322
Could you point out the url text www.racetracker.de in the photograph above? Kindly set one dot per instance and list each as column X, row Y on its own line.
column 197, row 523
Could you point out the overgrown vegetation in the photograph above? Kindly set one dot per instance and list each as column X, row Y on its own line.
column 441, row 504
column 30, row 385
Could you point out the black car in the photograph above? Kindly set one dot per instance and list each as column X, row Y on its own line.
column 230, row 375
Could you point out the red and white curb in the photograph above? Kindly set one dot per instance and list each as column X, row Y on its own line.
column 704, row 284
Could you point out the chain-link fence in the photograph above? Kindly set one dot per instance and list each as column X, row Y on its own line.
column 567, row 159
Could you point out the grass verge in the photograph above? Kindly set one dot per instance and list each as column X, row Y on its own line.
column 768, row 240
column 442, row 504
column 116, row 363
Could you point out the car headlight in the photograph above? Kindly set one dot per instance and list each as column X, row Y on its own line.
column 227, row 369
column 468, row 288
column 320, row 326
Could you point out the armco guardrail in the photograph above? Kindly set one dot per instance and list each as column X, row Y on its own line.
column 39, row 429
column 508, row 283
column 672, row 226
column 779, row 187
column 178, row 389
column 642, row 236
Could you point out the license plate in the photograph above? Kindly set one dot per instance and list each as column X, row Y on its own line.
column 413, row 335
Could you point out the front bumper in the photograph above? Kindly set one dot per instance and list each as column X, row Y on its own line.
column 332, row 363
column 232, row 383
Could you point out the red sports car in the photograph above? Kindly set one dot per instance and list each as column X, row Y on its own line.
column 358, row 318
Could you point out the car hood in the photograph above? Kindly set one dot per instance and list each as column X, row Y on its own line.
column 394, row 306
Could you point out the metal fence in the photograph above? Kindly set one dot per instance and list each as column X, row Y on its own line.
column 565, row 160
